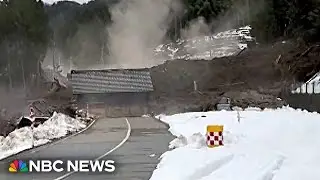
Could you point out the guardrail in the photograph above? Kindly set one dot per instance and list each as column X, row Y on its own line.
column 306, row 88
column 303, row 95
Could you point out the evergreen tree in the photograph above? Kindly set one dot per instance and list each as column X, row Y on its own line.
column 23, row 38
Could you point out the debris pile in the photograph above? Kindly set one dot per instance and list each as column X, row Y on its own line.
column 42, row 112
column 301, row 64
column 45, row 107
column 253, row 98
column 248, row 79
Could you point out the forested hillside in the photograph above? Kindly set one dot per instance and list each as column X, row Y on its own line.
column 28, row 28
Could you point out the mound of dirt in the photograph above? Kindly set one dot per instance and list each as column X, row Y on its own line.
column 249, row 79
column 253, row 69
column 253, row 98
column 46, row 107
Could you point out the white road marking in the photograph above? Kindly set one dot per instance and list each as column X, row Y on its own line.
column 115, row 148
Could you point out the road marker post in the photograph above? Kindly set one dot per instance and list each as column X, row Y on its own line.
column 214, row 136
column 195, row 86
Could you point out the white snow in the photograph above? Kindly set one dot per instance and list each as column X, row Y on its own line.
column 15, row 142
column 146, row 116
column 152, row 155
column 280, row 144
column 57, row 126
column 54, row 1
column 222, row 44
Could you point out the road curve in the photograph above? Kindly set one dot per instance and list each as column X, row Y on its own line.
column 134, row 143
column 105, row 154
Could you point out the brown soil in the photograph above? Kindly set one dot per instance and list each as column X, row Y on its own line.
column 253, row 69
column 249, row 79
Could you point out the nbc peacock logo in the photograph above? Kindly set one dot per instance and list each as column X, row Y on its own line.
column 18, row 166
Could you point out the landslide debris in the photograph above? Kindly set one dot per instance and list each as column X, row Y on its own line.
column 301, row 63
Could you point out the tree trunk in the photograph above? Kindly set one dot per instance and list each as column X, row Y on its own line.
column 20, row 46
column 9, row 66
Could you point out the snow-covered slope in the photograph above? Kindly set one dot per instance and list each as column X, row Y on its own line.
column 222, row 44
column 281, row 144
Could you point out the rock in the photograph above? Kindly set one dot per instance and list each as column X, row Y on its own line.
column 252, row 98
column 24, row 122
column 46, row 108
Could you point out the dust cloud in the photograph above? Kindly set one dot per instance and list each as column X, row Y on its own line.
column 138, row 27
column 197, row 27
column 238, row 15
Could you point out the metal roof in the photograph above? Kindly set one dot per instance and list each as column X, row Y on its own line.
column 110, row 81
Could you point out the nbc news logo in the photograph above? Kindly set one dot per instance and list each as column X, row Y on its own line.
column 62, row 166
column 18, row 166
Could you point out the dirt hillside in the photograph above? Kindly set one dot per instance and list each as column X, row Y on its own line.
column 250, row 79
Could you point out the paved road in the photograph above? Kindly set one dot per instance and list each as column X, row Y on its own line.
column 135, row 158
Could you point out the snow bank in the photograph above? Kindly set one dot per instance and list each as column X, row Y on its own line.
column 281, row 144
column 59, row 125
column 15, row 142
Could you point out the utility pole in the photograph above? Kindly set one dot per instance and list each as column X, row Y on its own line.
column 53, row 58
column 38, row 72
column 180, row 26
column 59, row 62
column 175, row 27
column 248, row 11
column 53, row 52
column 22, row 66
column 9, row 74
column 102, row 54
column 9, row 65
column 70, row 63
column 23, row 74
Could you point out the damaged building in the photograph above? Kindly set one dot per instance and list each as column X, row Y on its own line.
column 113, row 92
